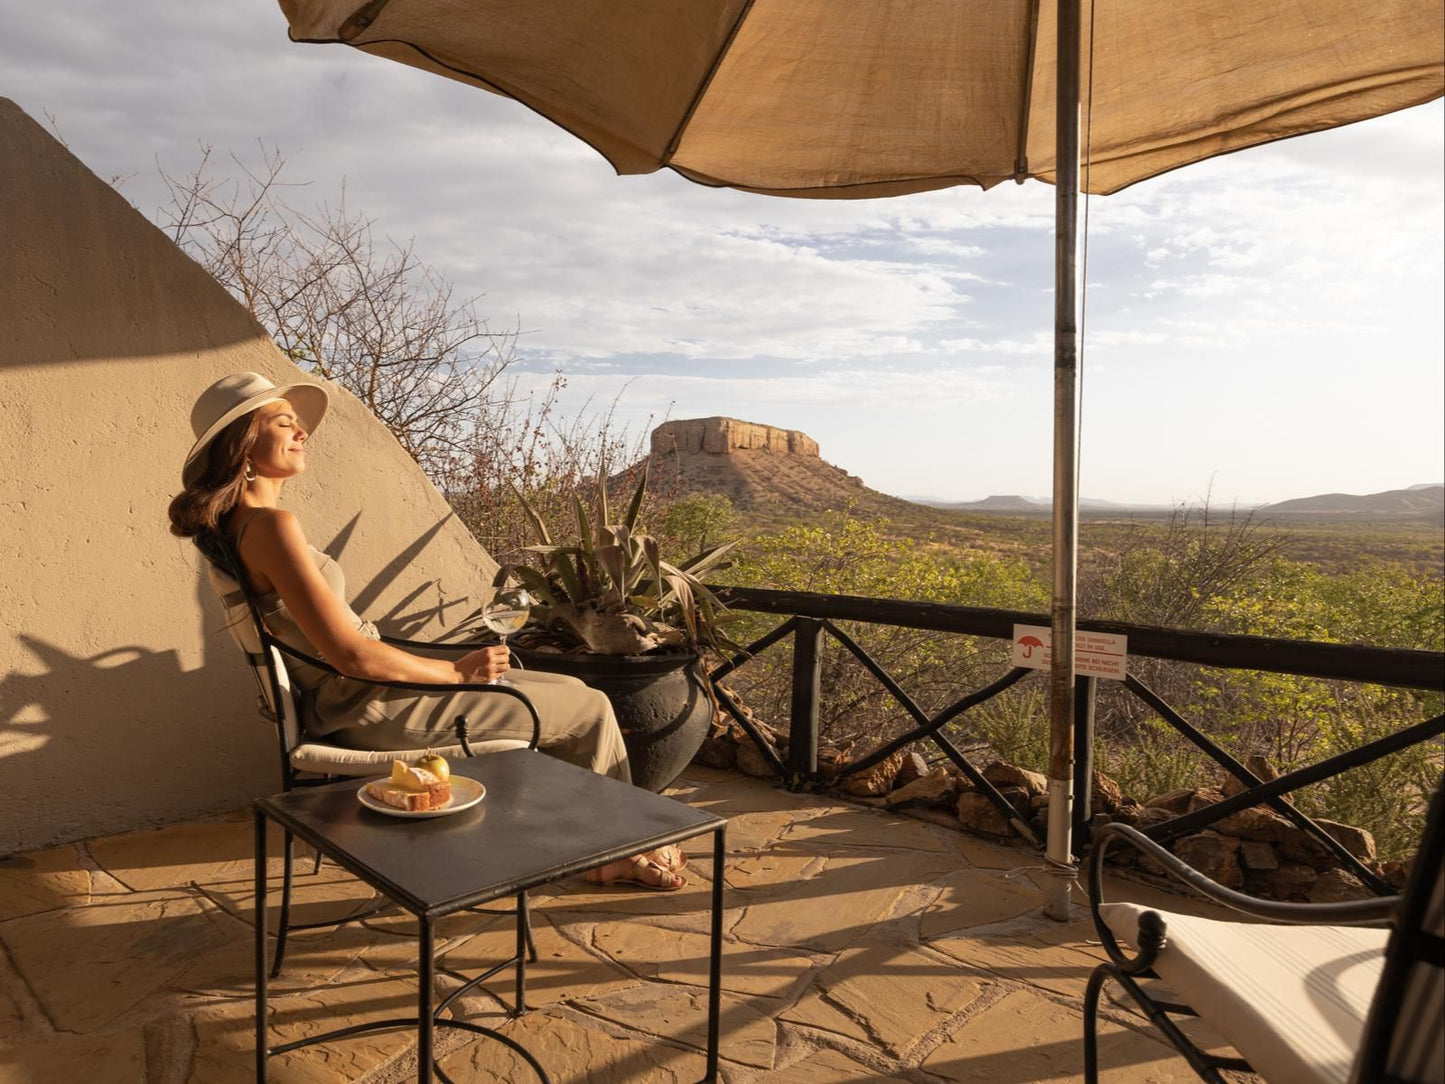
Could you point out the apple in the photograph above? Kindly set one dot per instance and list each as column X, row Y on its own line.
column 436, row 764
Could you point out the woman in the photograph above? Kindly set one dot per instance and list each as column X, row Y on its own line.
column 250, row 439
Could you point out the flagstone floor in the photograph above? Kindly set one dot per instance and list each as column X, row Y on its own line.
column 860, row 946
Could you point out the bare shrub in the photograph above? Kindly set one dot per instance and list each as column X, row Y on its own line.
column 371, row 316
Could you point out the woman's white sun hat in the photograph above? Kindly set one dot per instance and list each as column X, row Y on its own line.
column 236, row 395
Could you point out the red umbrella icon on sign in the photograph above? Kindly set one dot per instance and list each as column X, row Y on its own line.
column 1028, row 643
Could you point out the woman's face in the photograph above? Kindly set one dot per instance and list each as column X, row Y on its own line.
column 279, row 451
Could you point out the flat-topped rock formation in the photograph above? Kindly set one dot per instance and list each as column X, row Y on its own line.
column 724, row 436
column 766, row 471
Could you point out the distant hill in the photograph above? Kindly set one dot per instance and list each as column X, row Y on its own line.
column 1416, row 502
column 1029, row 505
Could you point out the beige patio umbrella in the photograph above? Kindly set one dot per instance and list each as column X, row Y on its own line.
column 864, row 98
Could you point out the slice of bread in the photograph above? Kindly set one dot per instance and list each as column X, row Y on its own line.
column 412, row 789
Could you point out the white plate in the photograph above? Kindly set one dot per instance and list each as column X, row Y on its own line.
column 465, row 794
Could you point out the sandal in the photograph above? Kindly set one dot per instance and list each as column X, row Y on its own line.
column 670, row 857
column 641, row 871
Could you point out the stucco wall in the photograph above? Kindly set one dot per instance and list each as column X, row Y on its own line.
column 122, row 700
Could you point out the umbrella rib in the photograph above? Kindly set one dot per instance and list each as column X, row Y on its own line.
column 717, row 60
column 1021, row 158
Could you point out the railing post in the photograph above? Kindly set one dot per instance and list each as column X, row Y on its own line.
column 803, row 721
column 1085, row 689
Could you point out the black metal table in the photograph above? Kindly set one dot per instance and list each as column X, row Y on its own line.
column 541, row 820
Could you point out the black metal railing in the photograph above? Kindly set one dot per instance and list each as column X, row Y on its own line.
column 810, row 617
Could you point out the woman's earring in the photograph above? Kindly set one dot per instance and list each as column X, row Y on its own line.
column 250, row 472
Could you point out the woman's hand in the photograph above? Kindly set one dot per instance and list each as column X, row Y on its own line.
column 484, row 664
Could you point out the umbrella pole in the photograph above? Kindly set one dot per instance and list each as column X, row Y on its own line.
column 1066, row 468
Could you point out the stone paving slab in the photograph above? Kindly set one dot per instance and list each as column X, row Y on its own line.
column 88, row 966
column 42, row 881
column 110, row 1058
column 830, row 911
column 859, row 945
column 682, row 956
column 572, row 1054
column 1025, row 1036
column 886, row 995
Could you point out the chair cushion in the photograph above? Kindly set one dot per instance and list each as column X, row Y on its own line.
column 334, row 760
column 1292, row 999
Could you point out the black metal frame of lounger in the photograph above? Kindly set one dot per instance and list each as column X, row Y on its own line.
column 1410, row 945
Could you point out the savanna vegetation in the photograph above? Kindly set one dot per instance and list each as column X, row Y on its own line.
column 1195, row 570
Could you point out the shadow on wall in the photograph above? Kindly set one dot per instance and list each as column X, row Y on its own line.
column 144, row 700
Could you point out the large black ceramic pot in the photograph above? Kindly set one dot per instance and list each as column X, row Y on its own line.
column 661, row 704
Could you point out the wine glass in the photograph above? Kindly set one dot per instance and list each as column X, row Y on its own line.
column 505, row 614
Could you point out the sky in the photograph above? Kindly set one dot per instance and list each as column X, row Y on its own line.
column 1258, row 327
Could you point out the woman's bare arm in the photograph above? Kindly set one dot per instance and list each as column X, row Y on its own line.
column 276, row 551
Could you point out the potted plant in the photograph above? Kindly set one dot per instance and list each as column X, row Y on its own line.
column 610, row 610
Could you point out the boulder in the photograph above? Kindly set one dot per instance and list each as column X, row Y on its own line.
column 938, row 788
column 1257, row 822
column 1175, row 801
column 1260, row 766
column 832, row 759
column 750, row 761
column 1257, row 855
column 1357, row 841
column 1338, row 886
column 1214, row 855
column 913, row 768
column 877, row 780
column 977, row 814
column 1290, row 881
column 1203, row 798
column 1149, row 816
column 1004, row 775
column 717, row 751
column 1105, row 796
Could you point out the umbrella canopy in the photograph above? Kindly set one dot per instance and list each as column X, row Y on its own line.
column 822, row 98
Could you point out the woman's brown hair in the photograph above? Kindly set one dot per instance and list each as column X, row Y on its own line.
column 196, row 511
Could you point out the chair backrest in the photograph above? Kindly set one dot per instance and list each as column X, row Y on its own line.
column 278, row 700
column 1404, row 1038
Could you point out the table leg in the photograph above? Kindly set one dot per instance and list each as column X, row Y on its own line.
column 523, row 929
column 426, row 969
column 714, row 978
column 260, row 930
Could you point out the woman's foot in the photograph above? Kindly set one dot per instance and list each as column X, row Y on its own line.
column 638, row 870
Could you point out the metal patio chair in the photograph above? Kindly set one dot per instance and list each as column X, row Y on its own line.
column 1325, row 998
column 308, row 761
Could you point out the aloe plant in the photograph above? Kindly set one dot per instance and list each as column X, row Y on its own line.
column 609, row 590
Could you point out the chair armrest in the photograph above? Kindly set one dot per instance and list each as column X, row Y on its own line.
column 437, row 645
column 423, row 687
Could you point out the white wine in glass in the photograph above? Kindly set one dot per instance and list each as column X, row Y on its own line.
column 505, row 614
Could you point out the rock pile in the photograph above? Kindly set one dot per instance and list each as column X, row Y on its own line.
column 1256, row 850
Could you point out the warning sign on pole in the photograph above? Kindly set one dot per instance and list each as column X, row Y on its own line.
column 1096, row 654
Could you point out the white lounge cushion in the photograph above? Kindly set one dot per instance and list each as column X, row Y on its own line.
column 334, row 760
column 1292, row 999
